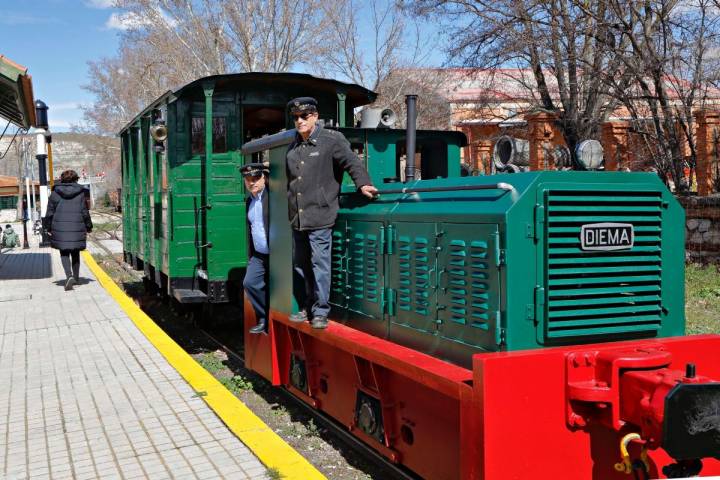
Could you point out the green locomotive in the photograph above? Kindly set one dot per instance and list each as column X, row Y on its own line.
column 457, row 266
column 183, row 196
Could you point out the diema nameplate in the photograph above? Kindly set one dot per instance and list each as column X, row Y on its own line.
column 607, row 236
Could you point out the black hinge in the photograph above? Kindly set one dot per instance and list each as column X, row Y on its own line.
column 387, row 239
column 499, row 331
column 388, row 301
column 499, row 252
column 539, row 304
column 539, row 220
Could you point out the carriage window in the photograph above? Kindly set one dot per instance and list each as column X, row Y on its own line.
column 219, row 135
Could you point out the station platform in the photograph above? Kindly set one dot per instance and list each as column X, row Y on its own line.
column 92, row 390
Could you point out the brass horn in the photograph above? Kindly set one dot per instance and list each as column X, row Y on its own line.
column 159, row 133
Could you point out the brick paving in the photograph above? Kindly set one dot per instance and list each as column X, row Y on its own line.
column 84, row 395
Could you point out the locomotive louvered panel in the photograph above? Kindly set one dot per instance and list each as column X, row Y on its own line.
column 364, row 277
column 415, row 264
column 468, row 293
column 612, row 292
column 363, row 267
column 338, row 278
column 413, row 270
column 466, row 272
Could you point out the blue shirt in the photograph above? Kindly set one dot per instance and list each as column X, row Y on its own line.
column 255, row 216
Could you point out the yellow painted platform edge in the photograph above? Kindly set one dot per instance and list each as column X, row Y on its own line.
column 270, row 449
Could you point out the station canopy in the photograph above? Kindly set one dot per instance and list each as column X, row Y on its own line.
column 17, row 104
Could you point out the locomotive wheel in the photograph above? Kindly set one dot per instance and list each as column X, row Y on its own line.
column 368, row 416
column 298, row 376
column 366, row 419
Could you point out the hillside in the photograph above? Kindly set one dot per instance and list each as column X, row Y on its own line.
column 81, row 152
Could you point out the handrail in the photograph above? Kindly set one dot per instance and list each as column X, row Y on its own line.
column 268, row 142
column 449, row 188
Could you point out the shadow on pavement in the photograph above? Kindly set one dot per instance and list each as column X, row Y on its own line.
column 25, row 266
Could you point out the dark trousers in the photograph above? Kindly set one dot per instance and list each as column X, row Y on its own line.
column 311, row 265
column 65, row 260
column 255, row 284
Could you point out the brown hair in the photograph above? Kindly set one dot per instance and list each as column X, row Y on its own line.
column 69, row 176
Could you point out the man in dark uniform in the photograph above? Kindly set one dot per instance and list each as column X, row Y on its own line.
column 316, row 162
column 256, row 209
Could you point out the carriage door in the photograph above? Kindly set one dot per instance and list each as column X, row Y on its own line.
column 468, row 285
column 224, row 212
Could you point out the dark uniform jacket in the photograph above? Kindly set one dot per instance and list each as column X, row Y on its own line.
column 266, row 221
column 67, row 217
column 314, row 171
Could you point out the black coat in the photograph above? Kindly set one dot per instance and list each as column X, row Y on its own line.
column 315, row 169
column 67, row 218
column 266, row 221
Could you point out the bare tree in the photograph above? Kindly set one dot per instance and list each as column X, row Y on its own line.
column 171, row 42
column 670, row 54
column 272, row 36
column 122, row 86
column 557, row 46
column 378, row 45
column 365, row 56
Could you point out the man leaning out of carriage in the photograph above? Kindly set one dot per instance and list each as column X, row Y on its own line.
column 256, row 209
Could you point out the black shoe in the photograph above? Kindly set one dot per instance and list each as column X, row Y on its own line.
column 319, row 322
column 69, row 284
column 299, row 317
column 259, row 328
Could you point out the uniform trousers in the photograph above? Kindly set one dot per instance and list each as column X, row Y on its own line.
column 255, row 284
column 311, row 262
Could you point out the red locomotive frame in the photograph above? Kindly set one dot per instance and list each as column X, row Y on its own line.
column 547, row 413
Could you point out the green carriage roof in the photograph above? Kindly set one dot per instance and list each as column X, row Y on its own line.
column 16, row 94
column 356, row 95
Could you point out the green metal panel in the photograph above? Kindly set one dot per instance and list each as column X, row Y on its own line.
column 412, row 269
column 469, row 285
column 226, row 227
column 365, row 268
column 338, row 263
column 125, row 205
column 136, row 179
column 596, row 294
column 281, row 269
column 145, row 192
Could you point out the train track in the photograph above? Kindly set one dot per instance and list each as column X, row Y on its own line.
column 112, row 234
column 394, row 472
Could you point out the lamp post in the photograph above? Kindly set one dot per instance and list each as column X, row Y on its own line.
column 42, row 134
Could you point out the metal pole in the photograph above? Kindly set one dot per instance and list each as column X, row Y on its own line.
column 41, row 156
column 51, row 179
column 26, row 210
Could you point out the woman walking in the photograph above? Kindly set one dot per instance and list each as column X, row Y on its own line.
column 67, row 221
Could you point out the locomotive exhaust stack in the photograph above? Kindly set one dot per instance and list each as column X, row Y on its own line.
column 410, row 101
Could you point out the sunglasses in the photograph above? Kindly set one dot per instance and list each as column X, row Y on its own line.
column 304, row 116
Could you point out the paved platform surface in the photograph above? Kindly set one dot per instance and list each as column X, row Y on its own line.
column 84, row 395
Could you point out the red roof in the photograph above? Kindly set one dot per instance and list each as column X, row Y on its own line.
column 460, row 85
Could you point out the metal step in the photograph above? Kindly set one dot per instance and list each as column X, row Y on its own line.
column 186, row 295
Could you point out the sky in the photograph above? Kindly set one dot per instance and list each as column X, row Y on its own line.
column 55, row 39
